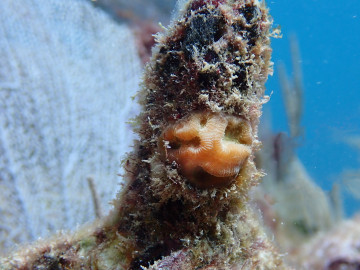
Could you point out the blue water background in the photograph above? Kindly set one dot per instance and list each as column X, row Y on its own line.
column 328, row 33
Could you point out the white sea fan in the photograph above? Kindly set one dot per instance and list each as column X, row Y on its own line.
column 67, row 74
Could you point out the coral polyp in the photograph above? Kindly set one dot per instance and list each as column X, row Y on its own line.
column 210, row 148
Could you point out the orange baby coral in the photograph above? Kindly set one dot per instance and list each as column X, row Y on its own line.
column 209, row 148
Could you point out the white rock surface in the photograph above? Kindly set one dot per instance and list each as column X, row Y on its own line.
column 67, row 74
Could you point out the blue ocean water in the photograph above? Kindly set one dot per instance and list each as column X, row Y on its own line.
column 328, row 33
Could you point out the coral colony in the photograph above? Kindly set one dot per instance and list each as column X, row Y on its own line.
column 210, row 149
column 186, row 202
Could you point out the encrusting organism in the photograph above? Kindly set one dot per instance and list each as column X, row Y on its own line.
column 185, row 205
column 210, row 149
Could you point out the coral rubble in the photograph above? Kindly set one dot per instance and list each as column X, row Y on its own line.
column 186, row 202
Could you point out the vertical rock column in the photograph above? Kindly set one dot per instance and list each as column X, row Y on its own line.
column 186, row 205
column 187, row 200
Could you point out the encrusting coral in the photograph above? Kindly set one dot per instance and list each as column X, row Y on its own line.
column 186, row 202
column 210, row 149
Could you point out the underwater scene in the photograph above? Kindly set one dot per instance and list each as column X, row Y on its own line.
column 179, row 134
column 325, row 33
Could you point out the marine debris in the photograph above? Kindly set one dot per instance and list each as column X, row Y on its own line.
column 186, row 203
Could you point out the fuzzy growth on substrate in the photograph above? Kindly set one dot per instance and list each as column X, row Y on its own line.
column 186, row 202
column 193, row 168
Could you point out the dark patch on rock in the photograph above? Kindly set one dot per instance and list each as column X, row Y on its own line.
column 154, row 253
column 197, row 5
column 249, row 33
column 211, row 56
column 249, row 12
column 240, row 81
column 207, row 80
column 172, row 212
column 252, row 34
column 49, row 262
column 203, row 30
column 172, row 63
